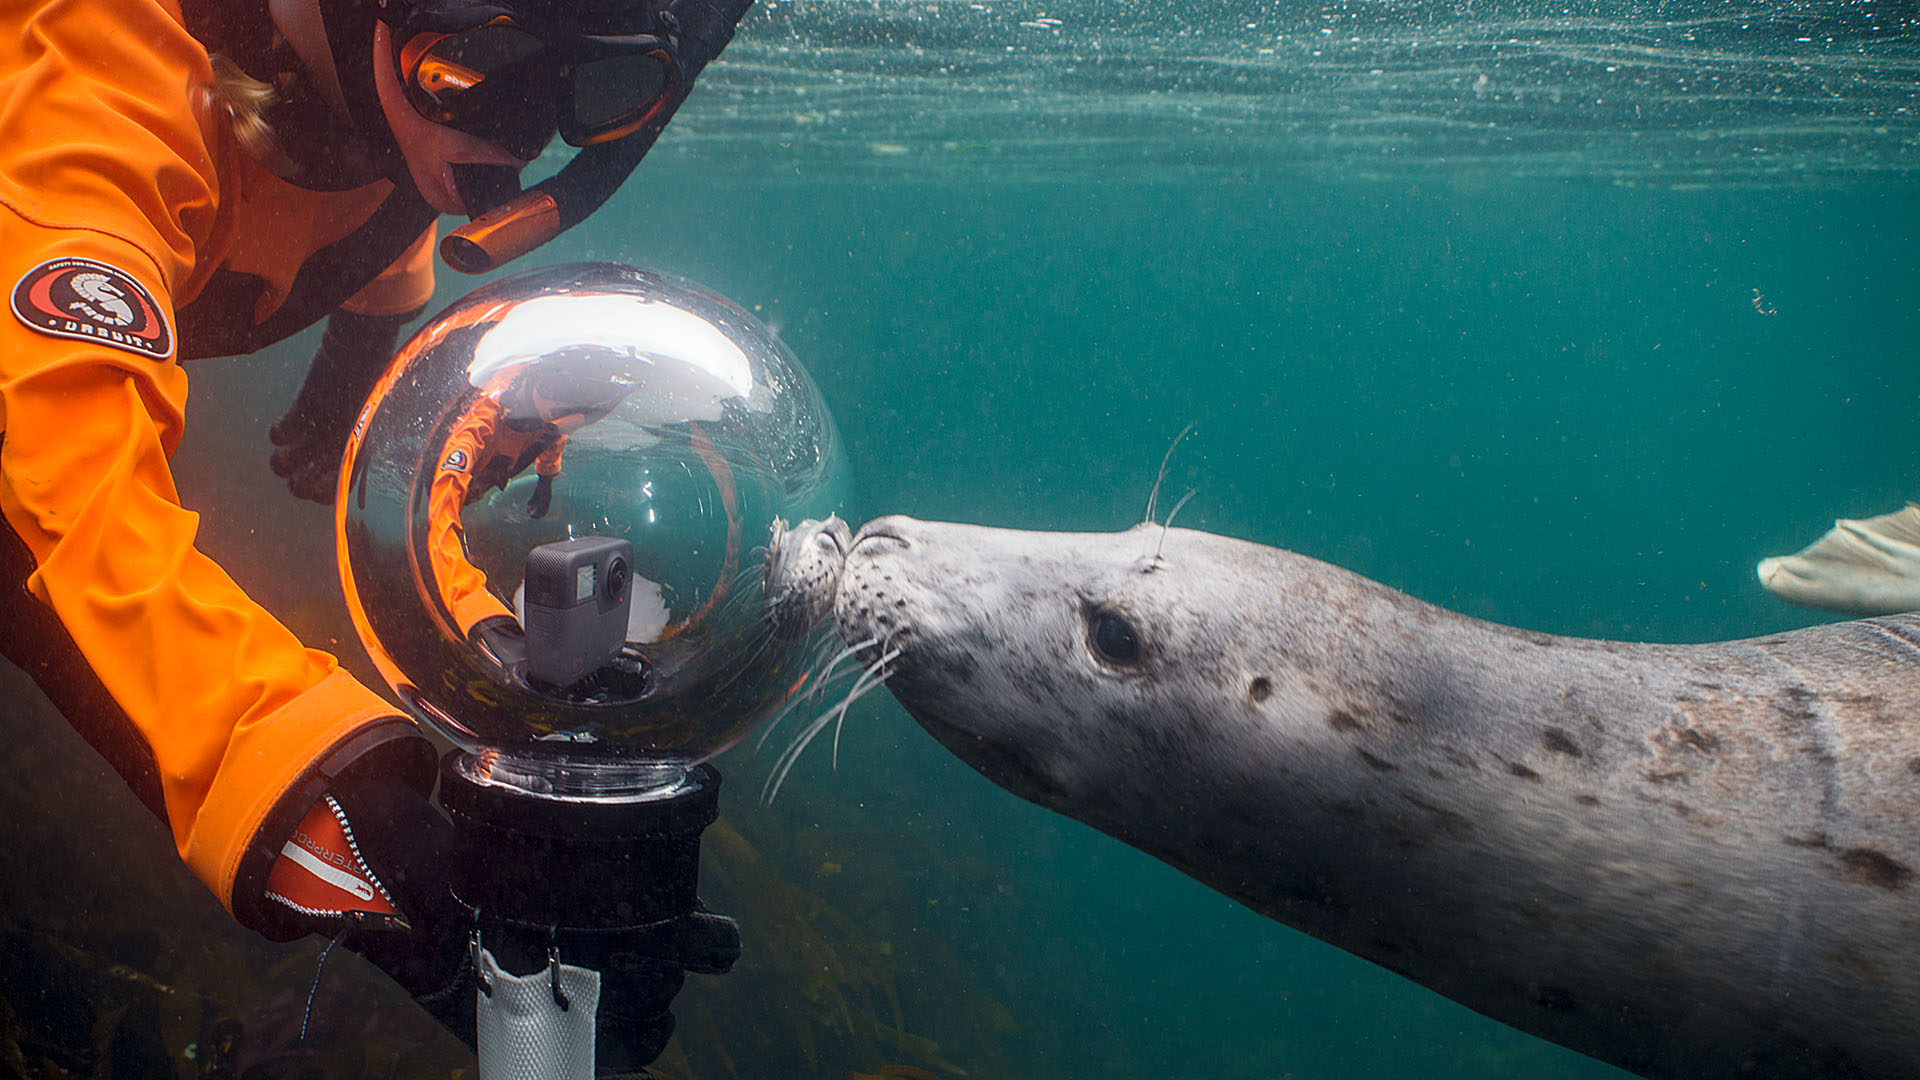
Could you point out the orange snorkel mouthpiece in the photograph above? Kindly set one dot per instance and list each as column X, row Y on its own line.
column 504, row 233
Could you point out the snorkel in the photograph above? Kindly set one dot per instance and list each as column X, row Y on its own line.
column 507, row 222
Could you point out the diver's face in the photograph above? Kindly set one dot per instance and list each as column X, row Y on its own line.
column 431, row 149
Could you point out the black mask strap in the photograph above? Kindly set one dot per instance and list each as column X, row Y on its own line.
column 349, row 26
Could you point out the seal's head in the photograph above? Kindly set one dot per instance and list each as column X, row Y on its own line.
column 1085, row 671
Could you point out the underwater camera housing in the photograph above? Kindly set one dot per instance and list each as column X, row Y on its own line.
column 591, row 458
column 556, row 520
column 576, row 607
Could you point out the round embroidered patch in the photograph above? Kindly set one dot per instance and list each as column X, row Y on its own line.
column 91, row 301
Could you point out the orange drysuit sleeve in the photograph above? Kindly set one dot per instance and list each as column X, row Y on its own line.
column 461, row 585
column 104, row 157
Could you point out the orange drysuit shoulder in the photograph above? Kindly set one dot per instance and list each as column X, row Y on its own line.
column 120, row 197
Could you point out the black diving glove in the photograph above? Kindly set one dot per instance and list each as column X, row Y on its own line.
column 369, row 864
column 641, row 978
column 542, row 498
column 311, row 436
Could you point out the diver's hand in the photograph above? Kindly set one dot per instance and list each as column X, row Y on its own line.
column 648, row 969
column 370, row 864
column 311, row 436
column 542, row 499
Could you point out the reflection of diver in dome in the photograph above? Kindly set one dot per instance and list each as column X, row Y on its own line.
column 521, row 418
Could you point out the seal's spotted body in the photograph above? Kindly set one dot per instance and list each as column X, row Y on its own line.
column 1687, row 860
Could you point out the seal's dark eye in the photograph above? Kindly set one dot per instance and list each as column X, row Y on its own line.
column 1113, row 638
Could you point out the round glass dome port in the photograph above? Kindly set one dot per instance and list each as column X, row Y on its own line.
column 556, row 515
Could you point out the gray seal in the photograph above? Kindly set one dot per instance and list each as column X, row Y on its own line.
column 1686, row 860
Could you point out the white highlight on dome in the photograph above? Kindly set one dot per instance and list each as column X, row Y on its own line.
column 646, row 330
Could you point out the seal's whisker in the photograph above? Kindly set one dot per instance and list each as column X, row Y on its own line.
column 875, row 677
column 744, row 587
column 817, row 683
column 806, row 686
column 797, row 703
column 1153, row 497
column 753, row 571
column 789, row 757
column 1171, row 514
column 770, row 790
column 851, row 650
column 755, row 647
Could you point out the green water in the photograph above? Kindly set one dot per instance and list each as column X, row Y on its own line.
column 1520, row 388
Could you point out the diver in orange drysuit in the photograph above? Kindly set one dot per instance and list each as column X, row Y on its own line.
column 189, row 178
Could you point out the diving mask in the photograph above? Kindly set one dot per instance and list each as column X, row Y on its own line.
column 513, row 75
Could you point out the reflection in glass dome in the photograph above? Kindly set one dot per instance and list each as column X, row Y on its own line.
column 554, row 517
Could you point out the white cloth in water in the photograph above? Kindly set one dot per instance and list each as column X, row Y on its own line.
column 524, row 1033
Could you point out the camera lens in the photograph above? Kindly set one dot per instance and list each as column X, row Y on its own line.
column 617, row 574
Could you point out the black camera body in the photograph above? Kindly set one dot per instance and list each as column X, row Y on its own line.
column 578, row 593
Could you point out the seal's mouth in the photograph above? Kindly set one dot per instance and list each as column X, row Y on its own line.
column 889, row 607
column 802, row 574
column 1008, row 764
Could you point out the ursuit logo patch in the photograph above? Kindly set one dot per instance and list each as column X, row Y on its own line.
column 456, row 461
column 91, row 301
